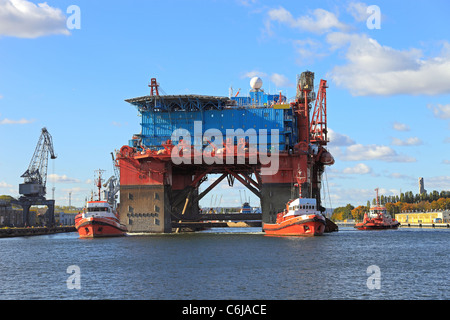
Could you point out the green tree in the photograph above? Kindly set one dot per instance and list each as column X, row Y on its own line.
column 434, row 195
column 392, row 208
column 343, row 213
column 358, row 212
column 6, row 198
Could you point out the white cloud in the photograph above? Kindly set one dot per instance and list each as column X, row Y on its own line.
column 400, row 126
column 359, row 152
column 247, row 3
column 374, row 69
column 397, row 175
column 437, row 183
column 358, row 10
column 309, row 50
column 24, row 19
column 440, row 111
column 371, row 68
column 337, row 139
column 280, row 80
column 253, row 73
column 346, row 149
column 5, row 185
column 73, row 190
column 318, row 21
column 21, row 121
column 360, row 168
column 119, row 124
column 61, row 179
column 357, row 196
column 413, row 141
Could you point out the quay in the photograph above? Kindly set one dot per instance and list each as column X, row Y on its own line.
column 33, row 231
column 345, row 223
column 195, row 226
column 425, row 225
column 402, row 225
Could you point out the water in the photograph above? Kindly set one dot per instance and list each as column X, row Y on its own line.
column 413, row 264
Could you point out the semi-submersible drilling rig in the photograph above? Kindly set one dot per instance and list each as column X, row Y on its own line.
column 158, row 192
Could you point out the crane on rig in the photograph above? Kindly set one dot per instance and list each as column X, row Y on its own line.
column 112, row 185
column 33, row 189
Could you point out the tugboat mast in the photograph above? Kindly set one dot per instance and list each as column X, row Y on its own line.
column 98, row 181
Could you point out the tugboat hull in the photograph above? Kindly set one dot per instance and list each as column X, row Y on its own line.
column 311, row 225
column 99, row 227
column 376, row 226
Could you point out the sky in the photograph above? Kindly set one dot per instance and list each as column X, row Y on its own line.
column 69, row 65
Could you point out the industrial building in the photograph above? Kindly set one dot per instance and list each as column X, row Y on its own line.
column 9, row 215
column 428, row 217
column 65, row 219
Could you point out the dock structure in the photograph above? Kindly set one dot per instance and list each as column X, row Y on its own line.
column 263, row 141
column 425, row 225
column 33, row 231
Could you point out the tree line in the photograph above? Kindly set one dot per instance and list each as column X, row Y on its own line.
column 404, row 202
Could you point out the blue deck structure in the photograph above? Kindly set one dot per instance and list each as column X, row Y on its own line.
column 162, row 115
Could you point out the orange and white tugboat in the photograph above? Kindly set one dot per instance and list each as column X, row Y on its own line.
column 377, row 219
column 99, row 218
column 301, row 218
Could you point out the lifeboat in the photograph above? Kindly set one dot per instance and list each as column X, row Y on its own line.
column 326, row 158
column 300, row 218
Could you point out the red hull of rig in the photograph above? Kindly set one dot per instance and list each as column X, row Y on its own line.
column 157, row 195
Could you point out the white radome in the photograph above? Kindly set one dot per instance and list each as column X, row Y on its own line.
column 256, row 83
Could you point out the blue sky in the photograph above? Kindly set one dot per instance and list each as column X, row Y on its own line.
column 388, row 96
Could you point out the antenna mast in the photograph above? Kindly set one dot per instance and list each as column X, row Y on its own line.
column 98, row 181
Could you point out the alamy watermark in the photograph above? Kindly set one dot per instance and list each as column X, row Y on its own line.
column 374, row 20
column 74, row 280
column 74, row 20
column 257, row 148
column 374, row 280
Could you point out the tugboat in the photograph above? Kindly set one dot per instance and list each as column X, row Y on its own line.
column 99, row 219
column 377, row 219
column 300, row 218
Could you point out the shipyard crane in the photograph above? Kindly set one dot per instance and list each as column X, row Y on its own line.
column 33, row 189
column 35, row 177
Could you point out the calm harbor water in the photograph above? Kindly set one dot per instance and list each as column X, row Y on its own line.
column 230, row 264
